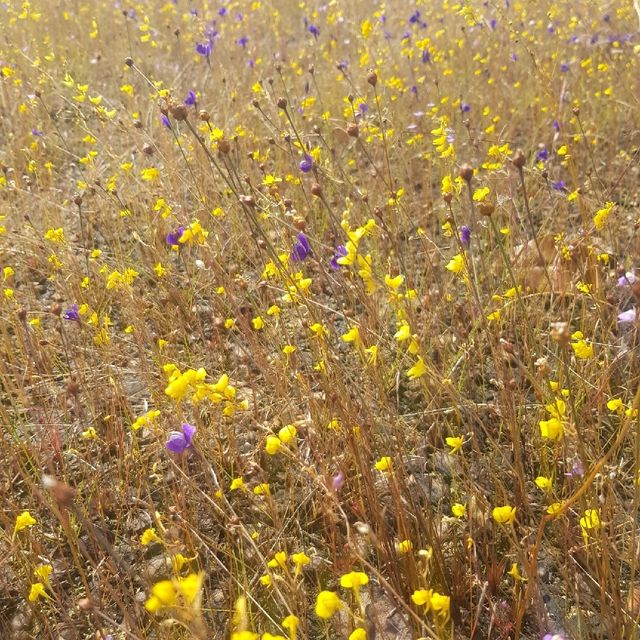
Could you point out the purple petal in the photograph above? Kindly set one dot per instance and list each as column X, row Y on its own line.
column 188, row 430
column 627, row 316
column 177, row 443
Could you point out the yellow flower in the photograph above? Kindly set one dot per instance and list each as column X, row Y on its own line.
column 372, row 352
column 543, row 483
column 287, row 434
column 552, row 429
column 257, row 323
column 455, row 442
column 358, row 634
column 418, row 369
column 279, row 560
column 459, row 510
column 90, row 434
column 43, row 572
column 300, row 560
column 290, row 623
column 393, row 283
column 589, row 522
column 405, row 546
column 582, row 349
column 262, row 489
column 23, row 521
column 384, row 464
column 403, row 333
column 504, row 515
column 178, row 592
column 422, row 597
column 601, row 216
column 514, row 573
column 327, row 603
column 615, row 404
column 236, row 484
column 441, row 605
column 353, row 335
column 37, row 591
column 273, row 445
column 150, row 174
column 456, row 264
column 481, row 193
column 148, row 537
column 288, row 349
column 554, row 508
column 354, row 580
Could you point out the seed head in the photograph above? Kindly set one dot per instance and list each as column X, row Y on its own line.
column 466, row 172
column 282, row 103
column 352, row 130
column 179, row 112
column 518, row 159
column 372, row 78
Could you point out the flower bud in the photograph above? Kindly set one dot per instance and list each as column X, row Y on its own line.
column 282, row 103
column 353, row 131
column 372, row 78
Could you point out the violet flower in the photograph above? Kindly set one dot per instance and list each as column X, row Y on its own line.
column 628, row 278
column 180, row 441
column 301, row 248
column 628, row 316
column 72, row 313
column 341, row 252
column 204, row 49
column 465, row 235
column 306, row 164
column 190, row 100
column 173, row 238
column 165, row 121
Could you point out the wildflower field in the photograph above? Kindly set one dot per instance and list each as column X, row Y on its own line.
column 319, row 319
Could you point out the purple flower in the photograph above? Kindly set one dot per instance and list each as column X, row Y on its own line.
column 542, row 154
column 173, row 238
column 179, row 441
column 72, row 313
column 465, row 107
column 465, row 235
column 301, row 248
column 426, row 56
column 306, row 164
column 577, row 469
column 190, row 100
column 626, row 317
column 204, row 49
column 242, row 41
column 165, row 121
column 559, row 185
column 564, row 67
column 222, row 11
column 627, row 279
column 363, row 107
column 556, row 125
column 493, row 23
column 37, row 132
column 337, row 481
column 341, row 252
column 314, row 31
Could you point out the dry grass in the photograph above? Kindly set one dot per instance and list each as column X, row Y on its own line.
column 423, row 413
